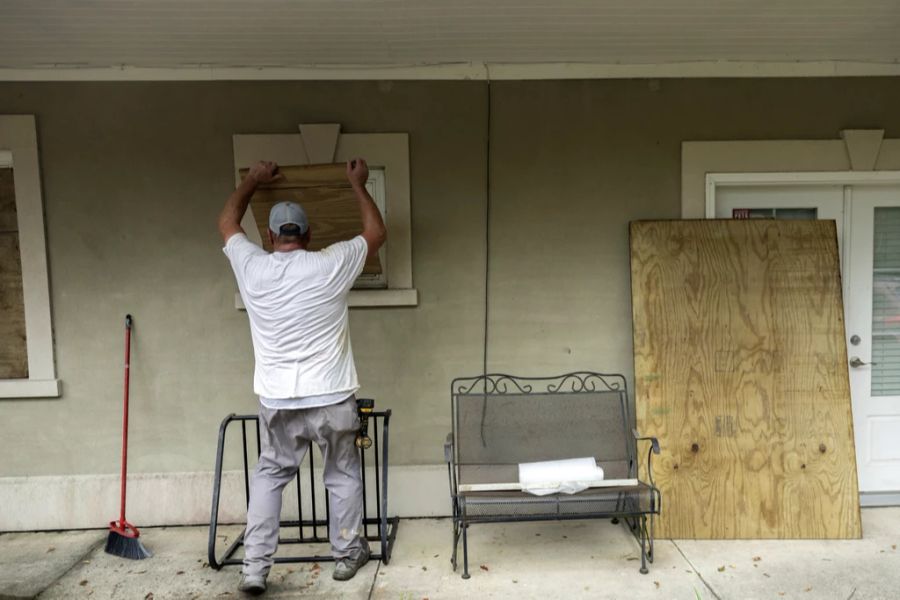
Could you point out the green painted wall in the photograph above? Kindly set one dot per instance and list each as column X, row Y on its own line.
column 134, row 175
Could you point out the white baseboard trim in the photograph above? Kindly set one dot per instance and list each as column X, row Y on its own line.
column 92, row 501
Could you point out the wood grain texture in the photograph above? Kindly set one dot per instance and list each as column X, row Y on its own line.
column 13, row 351
column 325, row 194
column 741, row 372
column 8, row 218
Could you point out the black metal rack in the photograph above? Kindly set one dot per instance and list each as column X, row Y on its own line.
column 385, row 528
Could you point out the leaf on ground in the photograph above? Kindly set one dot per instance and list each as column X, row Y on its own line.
column 179, row 572
column 656, row 583
column 149, row 596
column 436, row 555
column 766, row 574
column 424, row 568
column 632, row 558
column 484, row 568
column 515, row 581
column 83, row 582
column 757, row 558
column 809, row 589
column 51, row 549
column 720, row 569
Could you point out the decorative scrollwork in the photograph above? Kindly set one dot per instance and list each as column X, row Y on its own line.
column 569, row 383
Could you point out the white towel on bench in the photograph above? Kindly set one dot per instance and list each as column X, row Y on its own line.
column 568, row 476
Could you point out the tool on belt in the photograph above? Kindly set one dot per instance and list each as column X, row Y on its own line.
column 365, row 407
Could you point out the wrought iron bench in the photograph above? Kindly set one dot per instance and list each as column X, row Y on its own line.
column 501, row 420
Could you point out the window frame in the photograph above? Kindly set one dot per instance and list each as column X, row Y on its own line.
column 19, row 150
column 387, row 151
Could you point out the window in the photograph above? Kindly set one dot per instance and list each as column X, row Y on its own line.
column 323, row 146
column 801, row 214
column 886, row 303
column 13, row 350
column 27, row 368
column 331, row 206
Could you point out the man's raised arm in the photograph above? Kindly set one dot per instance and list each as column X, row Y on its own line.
column 373, row 225
column 236, row 205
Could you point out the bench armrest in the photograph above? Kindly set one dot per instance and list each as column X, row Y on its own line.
column 654, row 443
column 448, row 448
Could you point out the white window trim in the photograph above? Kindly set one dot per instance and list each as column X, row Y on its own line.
column 18, row 148
column 811, row 158
column 388, row 150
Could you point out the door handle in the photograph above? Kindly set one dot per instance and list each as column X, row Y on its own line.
column 856, row 363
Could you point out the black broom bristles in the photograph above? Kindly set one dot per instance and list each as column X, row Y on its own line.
column 126, row 547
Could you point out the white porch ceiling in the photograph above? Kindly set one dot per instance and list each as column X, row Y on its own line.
column 336, row 34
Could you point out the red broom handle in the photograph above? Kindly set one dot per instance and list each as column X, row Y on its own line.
column 125, row 418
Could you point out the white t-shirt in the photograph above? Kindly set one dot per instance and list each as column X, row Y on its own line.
column 297, row 305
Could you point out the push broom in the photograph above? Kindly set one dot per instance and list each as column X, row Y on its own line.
column 124, row 538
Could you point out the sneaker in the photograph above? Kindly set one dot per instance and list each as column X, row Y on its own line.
column 345, row 568
column 252, row 584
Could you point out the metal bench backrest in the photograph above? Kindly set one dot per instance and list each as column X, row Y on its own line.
column 500, row 421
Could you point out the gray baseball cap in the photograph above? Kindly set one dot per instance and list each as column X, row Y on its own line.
column 288, row 213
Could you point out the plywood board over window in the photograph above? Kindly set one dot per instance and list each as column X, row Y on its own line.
column 741, row 372
column 328, row 199
column 13, row 349
column 388, row 157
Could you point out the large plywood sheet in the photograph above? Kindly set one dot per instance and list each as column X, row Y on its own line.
column 325, row 194
column 741, row 372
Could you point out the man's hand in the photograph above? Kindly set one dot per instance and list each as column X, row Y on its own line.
column 265, row 171
column 236, row 205
column 357, row 172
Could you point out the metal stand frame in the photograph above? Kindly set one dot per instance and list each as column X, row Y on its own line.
column 385, row 528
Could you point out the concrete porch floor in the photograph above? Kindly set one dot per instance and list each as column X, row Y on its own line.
column 575, row 559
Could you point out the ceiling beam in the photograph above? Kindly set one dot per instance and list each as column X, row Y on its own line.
column 461, row 71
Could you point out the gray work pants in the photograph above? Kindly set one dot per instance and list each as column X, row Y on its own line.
column 284, row 439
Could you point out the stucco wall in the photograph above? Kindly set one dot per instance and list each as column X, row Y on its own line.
column 135, row 173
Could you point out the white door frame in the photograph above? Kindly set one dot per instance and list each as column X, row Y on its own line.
column 714, row 181
column 717, row 180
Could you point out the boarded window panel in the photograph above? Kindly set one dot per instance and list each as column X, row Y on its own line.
column 325, row 194
column 741, row 372
column 13, row 352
